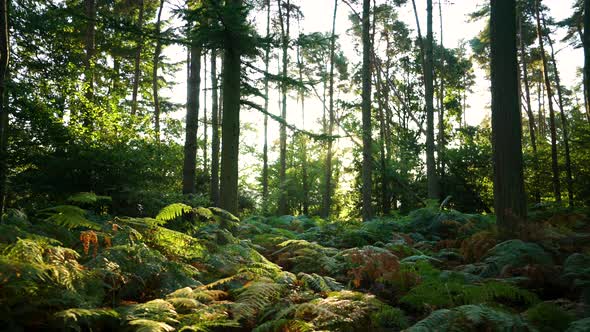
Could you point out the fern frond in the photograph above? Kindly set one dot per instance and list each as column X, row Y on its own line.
column 293, row 325
column 254, row 297
column 319, row 283
column 68, row 216
column 173, row 211
column 75, row 317
column 88, row 198
column 146, row 325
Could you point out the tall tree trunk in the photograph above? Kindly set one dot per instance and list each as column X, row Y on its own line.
column 529, row 111
column 303, row 139
column 586, row 43
column 205, row 137
column 554, row 164
column 137, row 69
column 441, row 117
column 509, row 195
column 214, row 185
column 231, row 113
column 366, row 171
column 4, row 57
column 155, row 85
column 568, row 161
column 266, row 96
column 283, row 131
column 90, row 49
column 327, row 199
column 429, row 93
column 192, row 122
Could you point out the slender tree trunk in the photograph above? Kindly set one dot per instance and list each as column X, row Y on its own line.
column 428, row 78
column 531, row 116
column 137, row 69
column 192, row 123
column 586, row 43
column 509, row 195
column 303, row 139
column 367, row 166
column 90, row 48
column 327, row 201
column 266, row 96
column 441, row 118
column 155, row 85
column 554, row 161
column 283, row 131
column 205, row 134
column 231, row 115
column 214, row 186
column 4, row 57
column 568, row 161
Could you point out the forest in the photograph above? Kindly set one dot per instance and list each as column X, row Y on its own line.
column 295, row 165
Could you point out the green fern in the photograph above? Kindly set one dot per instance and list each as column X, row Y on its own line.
column 146, row 325
column 68, row 216
column 173, row 211
column 77, row 318
column 319, row 283
column 88, row 198
column 294, row 325
column 254, row 297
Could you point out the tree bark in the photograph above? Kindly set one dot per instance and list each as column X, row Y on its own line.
column 549, row 89
column 327, row 201
column 366, row 176
column 266, row 96
column 586, row 43
column 192, row 122
column 441, row 117
column 568, row 161
column 155, row 85
column 214, row 185
column 433, row 190
column 231, row 114
column 90, row 49
column 137, row 69
column 4, row 58
column 283, row 130
column 303, row 140
column 205, row 125
column 509, row 194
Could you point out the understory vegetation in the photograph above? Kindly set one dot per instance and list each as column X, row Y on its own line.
column 75, row 267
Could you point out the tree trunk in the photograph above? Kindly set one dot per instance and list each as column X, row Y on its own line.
column 509, row 195
column 214, row 185
column 231, row 114
column 4, row 57
column 205, row 137
column 586, row 43
column 429, row 93
column 283, row 131
column 441, row 117
column 266, row 96
column 554, row 161
column 90, row 48
column 192, row 123
column 568, row 161
column 303, row 139
column 155, row 85
column 366, row 177
column 137, row 69
column 531, row 116
column 327, row 199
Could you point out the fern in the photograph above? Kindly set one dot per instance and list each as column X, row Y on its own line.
column 76, row 318
column 88, row 198
column 284, row 324
column 146, row 325
column 173, row 211
column 254, row 297
column 68, row 216
column 318, row 283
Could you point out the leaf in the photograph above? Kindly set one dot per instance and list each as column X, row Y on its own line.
column 68, row 216
column 173, row 211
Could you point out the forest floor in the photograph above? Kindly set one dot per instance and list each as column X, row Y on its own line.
column 201, row 269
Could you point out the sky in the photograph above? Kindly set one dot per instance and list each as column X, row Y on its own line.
column 318, row 14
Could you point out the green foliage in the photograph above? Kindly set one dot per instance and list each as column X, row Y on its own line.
column 439, row 294
column 254, row 297
column 470, row 318
column 514, row 253
column 69, row 216
column 173, row 211
column 549, row 317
